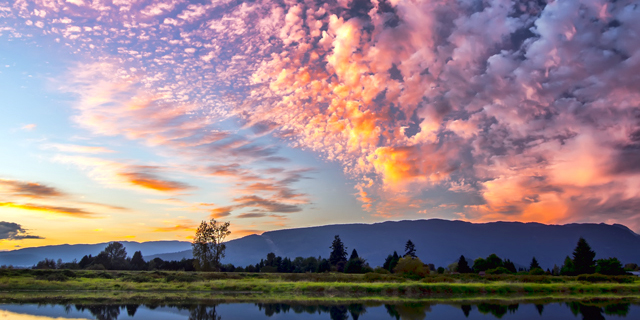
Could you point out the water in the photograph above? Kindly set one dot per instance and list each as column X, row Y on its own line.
column 588, row 310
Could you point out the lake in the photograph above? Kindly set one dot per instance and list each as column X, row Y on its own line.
column 595, row 309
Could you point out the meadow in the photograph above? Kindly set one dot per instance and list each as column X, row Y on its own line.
column 26, row 285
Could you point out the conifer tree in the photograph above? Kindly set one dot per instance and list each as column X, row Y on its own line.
column 534, row 264
column 583, row 258
column 339, row 251
column 354, row 255
column 410, row 249
column 463, row 265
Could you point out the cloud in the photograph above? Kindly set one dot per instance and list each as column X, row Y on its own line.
column 28, row 189
column 14, row 231
column 151, row 181
column 72, row 148
column 517, row 109
column 67, row 211
column 29, row 127
column 178, row 225
column 124, row 175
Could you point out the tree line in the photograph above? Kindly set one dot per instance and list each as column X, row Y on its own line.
column 114, row 257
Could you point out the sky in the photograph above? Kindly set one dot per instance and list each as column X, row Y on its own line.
column 138, row 119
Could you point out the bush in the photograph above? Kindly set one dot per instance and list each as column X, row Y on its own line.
column 380, row 277
column 411, row 268
column 137, row 277
column 381, row 270
column 183, row 277
column 57, row 277
column 96, row 267
column 438, row 279
column 537, row 272
column 498, row 270
column 69, row 273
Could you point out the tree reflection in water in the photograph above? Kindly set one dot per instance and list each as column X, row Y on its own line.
column 589, row 310
column 336, row 312
column 203, row 312
column 101, row 312
column 466, row 309
column 594, row 310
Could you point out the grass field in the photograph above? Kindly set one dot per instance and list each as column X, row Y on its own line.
column 47, row 285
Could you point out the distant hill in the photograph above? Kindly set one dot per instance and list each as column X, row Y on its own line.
column 30, row 256
column 440, row 242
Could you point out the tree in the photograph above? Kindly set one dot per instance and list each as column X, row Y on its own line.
column 534, row 264
column 611, row 266
column 479, row 265
column 354, row 255
column 583, row 258
column 116, row 251
column 410, row 249
column 208, row 244
column 463, row 265
column 116, row 254
column 137, row 262
column 568, row 269
column 509, row 265
column 338, row 253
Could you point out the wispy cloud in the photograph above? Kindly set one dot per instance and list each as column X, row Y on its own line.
column 73, row 148
column 124, row 175
column 67, row 211
column 28, row 189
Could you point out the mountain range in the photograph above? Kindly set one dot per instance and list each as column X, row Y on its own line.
column 440, row 242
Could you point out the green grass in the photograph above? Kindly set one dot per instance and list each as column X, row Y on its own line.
column 22, row 285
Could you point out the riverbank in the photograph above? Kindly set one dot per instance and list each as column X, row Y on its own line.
column 116, row 286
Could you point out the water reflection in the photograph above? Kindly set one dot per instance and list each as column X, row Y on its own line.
column 587, row 310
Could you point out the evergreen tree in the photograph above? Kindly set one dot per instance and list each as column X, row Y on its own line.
column 324, row 266
column 463, row 265
column 534, row 264
column 410, row 249
column 338, row 253
column 394, row 261
column 508, row 264
column 568, row 269
column 137, row 262
column 583, row 258
column 354, row 255
column 387, row 262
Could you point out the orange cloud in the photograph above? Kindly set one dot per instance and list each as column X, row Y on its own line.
column 73, row 212
column 150, row 181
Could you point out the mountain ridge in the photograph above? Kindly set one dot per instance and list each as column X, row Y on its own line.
column 437, row 241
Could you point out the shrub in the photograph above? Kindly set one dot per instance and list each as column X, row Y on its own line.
column 381, row 270
column 411, row 268
column 379, row 277
column 537, row 272
column 57, row 277
column 96, row 267
column 498, row 270
column 69, row 273
column 183, row 277
column 438, row 279
column 137, row 277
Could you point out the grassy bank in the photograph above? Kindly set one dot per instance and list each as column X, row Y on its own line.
column 23, row 285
